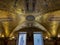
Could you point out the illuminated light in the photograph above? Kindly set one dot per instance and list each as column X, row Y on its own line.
column 46, row 37
column 2, row 35
column 58, row 35
column 53, row 29
column 6, row 27
column 11, row 38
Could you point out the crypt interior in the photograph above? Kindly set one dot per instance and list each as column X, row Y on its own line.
column 29, row 16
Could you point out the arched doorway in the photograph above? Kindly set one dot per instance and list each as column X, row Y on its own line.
column 30, row 34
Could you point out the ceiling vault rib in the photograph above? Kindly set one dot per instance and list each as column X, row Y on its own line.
column 46, row 30
column 3, row 30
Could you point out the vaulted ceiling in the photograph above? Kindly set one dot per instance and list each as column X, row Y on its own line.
column 14, row 12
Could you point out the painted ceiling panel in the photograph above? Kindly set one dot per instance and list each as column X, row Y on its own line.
column 16, row 11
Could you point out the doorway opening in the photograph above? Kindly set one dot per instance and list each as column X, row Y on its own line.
column 31, row 36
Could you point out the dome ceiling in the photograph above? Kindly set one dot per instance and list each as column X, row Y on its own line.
column 14, row 12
